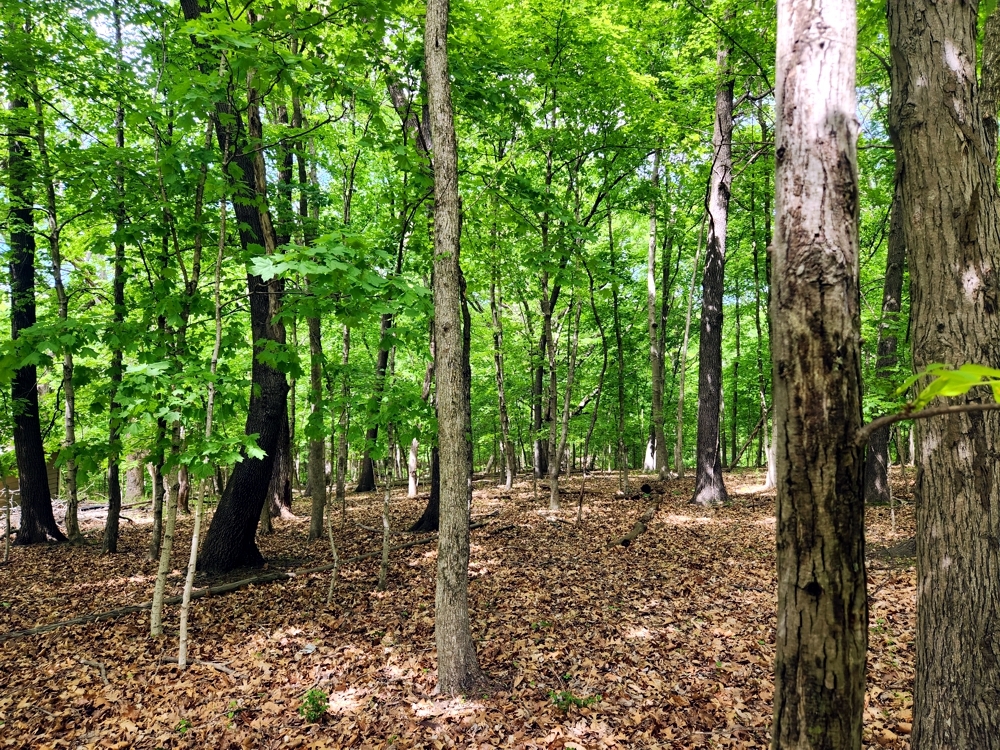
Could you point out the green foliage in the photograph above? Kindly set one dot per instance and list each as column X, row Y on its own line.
column 950, row 382
column 314, row 705
column 564, row 699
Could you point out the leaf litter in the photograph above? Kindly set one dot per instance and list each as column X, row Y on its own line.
column 668, row 643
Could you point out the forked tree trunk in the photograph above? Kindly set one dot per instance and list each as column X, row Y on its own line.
column 458, row 665
column 709, row 487
column 951, row 224
column 37, row 521
column 822, row 630
column 230, row 542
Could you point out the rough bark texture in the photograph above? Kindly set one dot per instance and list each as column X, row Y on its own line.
column 990, row 93
column 709, row 487
column 877, row 488
column 950, row 222
column 458, row 665
column 37, row 522
column 822, row 630
column 229, row 542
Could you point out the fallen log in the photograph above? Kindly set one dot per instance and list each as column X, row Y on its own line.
column 640, row 526
column 225, row 588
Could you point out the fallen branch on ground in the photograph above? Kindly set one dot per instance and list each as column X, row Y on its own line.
column 225, row 588
column 97, row 665
column 640, row 526
column 213, row 664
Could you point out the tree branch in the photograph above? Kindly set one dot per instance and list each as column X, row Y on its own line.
column 884, row 421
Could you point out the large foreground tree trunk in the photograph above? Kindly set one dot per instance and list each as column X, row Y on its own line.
column 709, row 487
column 458, row 665
column 952, row 230
column 821, row 639
column 37, row 521
column 230, row 542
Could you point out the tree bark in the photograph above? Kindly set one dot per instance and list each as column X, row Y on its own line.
column 317, row 457
column 951, row 228
column 821, row 639
column 709, row 486
column 458, row 665
column 37, row 521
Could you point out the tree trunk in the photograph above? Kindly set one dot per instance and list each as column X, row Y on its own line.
column 623, row 463
column 135, row 479
column 230, row 542
column 279, row 491
column 71, row 520
column 655, row 352
column 734, row 426
column 342, row 421
column 317, row 458
column 556, row 456
column 877, row 489
column 709, row 486
column 950, row 225
column 682, row 366
column 990, row 92
column 822, row 631
column 458, row 665
column 506, row 444
column 38, row 524
column 588, row 459
column 366, row 481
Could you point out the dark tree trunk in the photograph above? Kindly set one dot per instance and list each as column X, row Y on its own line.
column 822, row 628
column 709, row 486
column 877, row 488
column 431, row 517
column 230, row 542
column 279, row 490
column 366, row 480
column 951, row 225
column 37, row 521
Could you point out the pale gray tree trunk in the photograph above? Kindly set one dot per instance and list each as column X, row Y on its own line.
column 458, row 665
column 655, row 352
column 822, row 631
column 952, row 231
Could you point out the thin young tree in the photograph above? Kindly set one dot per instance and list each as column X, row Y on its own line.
column 822, row 630
column 458, row 664
column 951, row 226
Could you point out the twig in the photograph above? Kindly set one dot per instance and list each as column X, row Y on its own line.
column 97, row 665
column 213, row 664
column 862, row 436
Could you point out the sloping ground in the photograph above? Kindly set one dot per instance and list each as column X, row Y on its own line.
column 675, row 634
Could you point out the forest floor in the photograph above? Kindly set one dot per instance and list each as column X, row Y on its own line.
column 668, row 643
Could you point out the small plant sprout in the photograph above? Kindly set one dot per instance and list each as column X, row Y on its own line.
column 564, row 699
column 314, row 705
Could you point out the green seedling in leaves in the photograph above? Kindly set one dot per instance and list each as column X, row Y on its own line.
column 536, row 626
column 564, row 699
column 314, row 705
column 183, row 726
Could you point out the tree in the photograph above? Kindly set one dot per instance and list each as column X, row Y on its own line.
column 951, row 227
column 229, row 542
column 458, row 665
column 822, row 630
column 709, row 486
column 37, row 521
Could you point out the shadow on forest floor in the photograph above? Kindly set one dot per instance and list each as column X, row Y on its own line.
column 675, row 634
